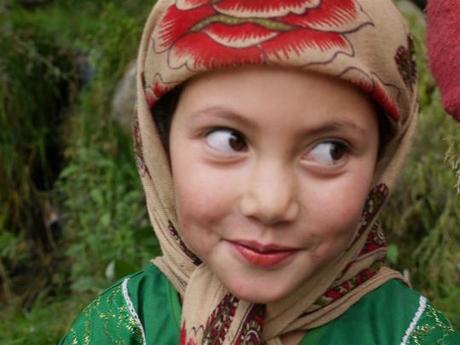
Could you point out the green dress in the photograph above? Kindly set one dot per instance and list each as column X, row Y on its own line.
column 144, row 308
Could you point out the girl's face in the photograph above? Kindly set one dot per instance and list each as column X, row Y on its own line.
column 271, row 170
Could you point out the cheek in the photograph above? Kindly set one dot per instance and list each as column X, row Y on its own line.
column 205, row 199
column 337, row 211
column 339, row 206
column 199, row 195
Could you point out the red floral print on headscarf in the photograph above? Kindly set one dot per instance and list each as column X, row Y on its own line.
column 210, row 34
column 183, row 337
column 158, row 89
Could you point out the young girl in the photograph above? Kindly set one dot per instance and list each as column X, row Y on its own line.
column 268, row 136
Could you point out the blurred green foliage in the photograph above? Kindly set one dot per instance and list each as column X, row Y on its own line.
column 422, row 218
column 99, row 187
column 105, row 233
column 37, row 81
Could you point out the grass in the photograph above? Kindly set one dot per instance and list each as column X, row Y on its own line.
column 44, row 323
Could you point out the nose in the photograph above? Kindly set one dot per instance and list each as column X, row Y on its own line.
column 270, row 194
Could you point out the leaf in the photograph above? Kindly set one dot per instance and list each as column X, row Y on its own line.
column 96, row 196
column 84, row 284
column 68, row 171
column 392, row 253
column 105, row 219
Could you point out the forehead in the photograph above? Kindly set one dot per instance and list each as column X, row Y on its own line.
column 262, row 94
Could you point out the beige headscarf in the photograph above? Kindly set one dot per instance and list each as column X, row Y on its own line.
column 365, row 42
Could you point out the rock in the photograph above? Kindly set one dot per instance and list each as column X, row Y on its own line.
column 124, row 98
column 85, row 71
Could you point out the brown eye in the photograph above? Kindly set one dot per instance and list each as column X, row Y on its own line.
column 226, row 141
column 328, row 152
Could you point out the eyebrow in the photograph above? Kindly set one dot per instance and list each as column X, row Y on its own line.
column 227, row 114
column 335, row 126
column 328, row 127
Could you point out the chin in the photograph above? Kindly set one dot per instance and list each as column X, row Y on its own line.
column 259, row 294
column 258, row 298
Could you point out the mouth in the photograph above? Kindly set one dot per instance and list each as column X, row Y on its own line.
column 264, row 256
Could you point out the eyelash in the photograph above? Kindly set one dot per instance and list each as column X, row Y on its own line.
column 343, row 147
column 231, row 131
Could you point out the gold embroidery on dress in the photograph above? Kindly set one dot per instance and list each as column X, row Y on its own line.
column 431, row 321
column 116, row 320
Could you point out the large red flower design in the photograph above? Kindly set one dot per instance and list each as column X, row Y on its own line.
column 203, row 34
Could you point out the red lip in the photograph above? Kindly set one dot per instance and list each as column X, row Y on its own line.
column 265, row 256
